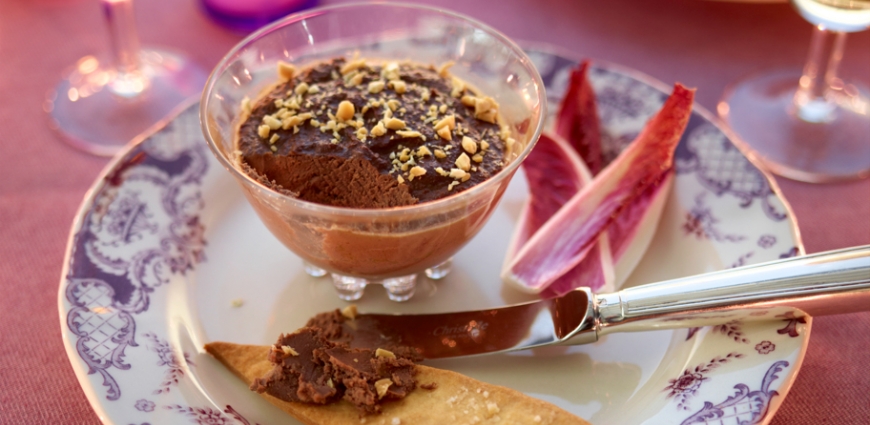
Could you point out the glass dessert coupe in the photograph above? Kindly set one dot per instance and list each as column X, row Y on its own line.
column 388, row 246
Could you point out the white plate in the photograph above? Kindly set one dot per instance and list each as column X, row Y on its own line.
column 165, row 247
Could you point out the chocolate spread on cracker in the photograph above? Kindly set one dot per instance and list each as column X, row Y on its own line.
column 369, row 134
column 335, row 358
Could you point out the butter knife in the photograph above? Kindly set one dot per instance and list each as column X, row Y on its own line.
column 832, row 282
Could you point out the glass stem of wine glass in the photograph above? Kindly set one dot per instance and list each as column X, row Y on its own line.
column 815, row 98
column 129, row 80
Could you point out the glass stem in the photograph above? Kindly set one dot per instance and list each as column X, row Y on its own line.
column 128, row 80
column 812, row 99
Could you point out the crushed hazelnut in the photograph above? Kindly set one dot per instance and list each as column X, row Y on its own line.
column 382, row 385
column 457, row 173
column 274, row 138
column 313, row 89
column 469, row 145
column 423, row 151
column 263, row 130
column 440, row 154
column 486, row 109
column 379, row 130
column 380, row 352
column 288, row 350
column 352, row 66
column 361, row 133
column 444, row 69
column 441, row 172
column 408, row 133
column 477, row 158
column 349, row 312
column 272, row 122
column 345, row 111
column 458, row 88
column 448, row 121
column 286, row 71
column 416, row 172
column 395, row 124
column 399, row 86
column 355, row 80
column 469, row 100
column 463, row 162
column 246, row 104
column 376, row 87
column 452, row 185
column 444, row 133
column 484, row 145
column 393, row 104
column 302, row 88
column 401, row 180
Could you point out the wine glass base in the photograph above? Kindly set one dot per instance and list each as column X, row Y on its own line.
column 97, row 111
column 761, row 113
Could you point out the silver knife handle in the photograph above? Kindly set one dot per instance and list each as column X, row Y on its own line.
column 831, row 282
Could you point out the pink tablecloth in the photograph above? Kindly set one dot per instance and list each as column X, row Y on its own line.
column 702, row 44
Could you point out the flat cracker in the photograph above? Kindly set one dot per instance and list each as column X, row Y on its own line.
column 457, row 399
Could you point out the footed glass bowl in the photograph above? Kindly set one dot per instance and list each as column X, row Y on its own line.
column 390, row 246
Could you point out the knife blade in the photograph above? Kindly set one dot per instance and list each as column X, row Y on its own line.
column 827, row 283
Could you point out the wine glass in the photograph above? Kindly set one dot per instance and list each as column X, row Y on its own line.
column 809, row 126
column 103, row 103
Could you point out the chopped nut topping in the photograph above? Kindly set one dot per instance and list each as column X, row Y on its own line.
column 313, row 89
column 452, row 184
column 345, row 111
column 391, row 71
column 393, row 104
column 263, row 131
column 448, row 121
column 477, row 158
column 423, row 151
column 401, row 180
column 444, row 133
column 272, row 122
column 463, row 162
column 440, row 154
column 379, row 130
column 486, row 109
column 286, row 71
column 484, row 145
column 376, row 87
column 352, row 66
column 362, row 133
column 408, row 133
column 395, row 124
column 469, row 100
column 349, row 312
column 441, row 172
column 288, row 350
column 444, row 69
column 380, row 352
column 416, row 172
column 424, row 94
column 457, row 173
column 302, row 88
column 382, row 385
column 399, row 86
column 355, row 80
column 274, row 138
column 246, row 104
column 469, row 145
column 458, row 88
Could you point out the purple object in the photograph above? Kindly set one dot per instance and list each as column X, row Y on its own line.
column 248, row 15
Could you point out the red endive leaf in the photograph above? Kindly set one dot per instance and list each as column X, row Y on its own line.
column 567, row 237
column 577, row 119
